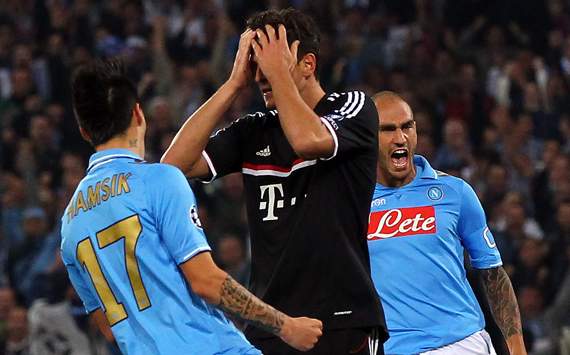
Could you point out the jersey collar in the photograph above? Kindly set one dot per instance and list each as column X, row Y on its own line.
column 423, row 171
column 105, row 156
column 423, row 168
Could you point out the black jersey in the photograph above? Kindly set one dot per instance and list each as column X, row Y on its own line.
column 308, row 218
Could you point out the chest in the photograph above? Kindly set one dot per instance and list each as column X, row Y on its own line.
column 276, row 180
column 424, row 211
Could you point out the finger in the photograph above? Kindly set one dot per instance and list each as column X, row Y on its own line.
column 270, row 30
column 282, row 33
column 256, row 48
column 247, row 36
column 261, row 38
column 294, row 51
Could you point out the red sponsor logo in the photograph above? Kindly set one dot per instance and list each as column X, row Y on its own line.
column 401, row 222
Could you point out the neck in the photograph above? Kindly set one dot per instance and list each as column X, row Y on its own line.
column 312, row 93
column 384, row 177
column 129, row 142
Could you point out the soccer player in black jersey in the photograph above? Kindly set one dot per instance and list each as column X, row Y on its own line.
column 308, row 165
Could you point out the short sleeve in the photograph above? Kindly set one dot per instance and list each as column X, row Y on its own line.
column 84, row 290
column 176, row 213
column 352, row 120
column 224, row 150
column 474, row 232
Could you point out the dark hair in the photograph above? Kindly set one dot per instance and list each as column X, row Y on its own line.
column 103, row 99
column 299, row 26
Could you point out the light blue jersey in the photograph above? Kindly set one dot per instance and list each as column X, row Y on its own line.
column 127, row 228
column 416, row 237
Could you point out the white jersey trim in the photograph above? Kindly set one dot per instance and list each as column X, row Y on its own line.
column 269, row 172
column 335, row 138
column 107, row 159
column 211, row 166
column 194, row 253
column 354, row 103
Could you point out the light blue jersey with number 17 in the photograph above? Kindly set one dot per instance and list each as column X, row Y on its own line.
column 126, row 230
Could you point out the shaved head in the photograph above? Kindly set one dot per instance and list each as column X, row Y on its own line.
column 384, row 99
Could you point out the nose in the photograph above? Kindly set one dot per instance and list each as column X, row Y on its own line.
column 399, row 137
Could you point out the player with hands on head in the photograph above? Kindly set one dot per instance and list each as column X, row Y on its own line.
column 308, row 149
column 134, row 247
column 421, row 222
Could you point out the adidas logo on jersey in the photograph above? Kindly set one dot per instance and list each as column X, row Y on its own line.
column 265, row 152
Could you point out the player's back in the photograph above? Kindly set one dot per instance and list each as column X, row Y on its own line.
column 127, row 228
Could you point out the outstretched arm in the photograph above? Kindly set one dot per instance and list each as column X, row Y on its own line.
column 504, row 307
column 220, row 289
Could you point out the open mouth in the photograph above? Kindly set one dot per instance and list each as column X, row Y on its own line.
column 399, row 157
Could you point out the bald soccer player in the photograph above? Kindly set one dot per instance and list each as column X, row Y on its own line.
column 421, row 222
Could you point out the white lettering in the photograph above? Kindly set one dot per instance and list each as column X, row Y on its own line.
column 270, row 204
column 391, row 223
column 429, row 223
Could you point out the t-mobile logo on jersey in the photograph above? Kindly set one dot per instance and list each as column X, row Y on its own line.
column 273, row 200
column 401, row 222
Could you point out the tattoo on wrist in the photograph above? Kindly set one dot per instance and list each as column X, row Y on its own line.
column 502, row 300
column 239, row 302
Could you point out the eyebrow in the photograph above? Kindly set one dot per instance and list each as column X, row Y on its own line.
column 392, row 126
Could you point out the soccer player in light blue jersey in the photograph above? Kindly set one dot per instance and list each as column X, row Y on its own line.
column 134, row 247
column 421, row 222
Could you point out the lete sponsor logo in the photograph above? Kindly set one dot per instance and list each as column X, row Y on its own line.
column 401, row 222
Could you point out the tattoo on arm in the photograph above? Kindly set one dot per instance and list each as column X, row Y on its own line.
column 239, row 302
column 502, row 300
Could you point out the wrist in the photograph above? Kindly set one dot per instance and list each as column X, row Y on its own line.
column 233, row 85
column 281, row 81
column 285, row 330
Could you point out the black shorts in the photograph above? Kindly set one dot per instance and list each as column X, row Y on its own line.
column 356, row 341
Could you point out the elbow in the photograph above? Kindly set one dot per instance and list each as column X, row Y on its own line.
column 168, row 158
column 310, row 148
column 206, row 290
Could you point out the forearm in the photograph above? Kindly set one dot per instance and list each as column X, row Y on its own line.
column 301, row 125
column 504, row 307
column 191, row 139
column 216, row 287
column 239, row 302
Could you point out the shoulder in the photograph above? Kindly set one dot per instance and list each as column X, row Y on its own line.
column 451, row 181
column 460, row 186
column 247, row 121
column 255, row 117
column 161, row 173
column 348, row 104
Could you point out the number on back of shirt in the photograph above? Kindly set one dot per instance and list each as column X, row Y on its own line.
column 130, row 230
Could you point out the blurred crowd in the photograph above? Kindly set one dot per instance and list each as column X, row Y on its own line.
column 488, row 80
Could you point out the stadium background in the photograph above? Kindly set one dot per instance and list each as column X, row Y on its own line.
column 488, row 81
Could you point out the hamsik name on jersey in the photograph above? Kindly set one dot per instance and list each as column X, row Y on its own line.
column 417, row 235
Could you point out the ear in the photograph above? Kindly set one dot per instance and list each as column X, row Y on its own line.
column 308, row 64
column 84, row 134
column 138, row 114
